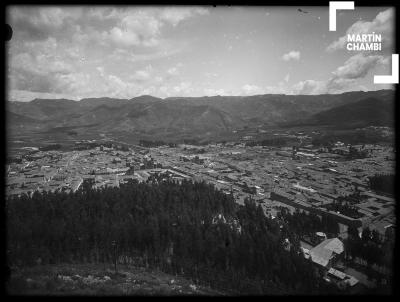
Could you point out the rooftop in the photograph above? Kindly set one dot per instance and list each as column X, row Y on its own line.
column 323, row 252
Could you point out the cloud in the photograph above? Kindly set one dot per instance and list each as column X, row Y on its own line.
column 39, row 73
column 358, row 66
column 97, row 51
column 173, row 71
column 139, row 28
column 38, row 23
column 43, row 75
column 128, row 55
column 345, row 77
column 100, row 69
column 287, row 77
column 143, row 27
column 212, row 92
column 125, row 87
column 382, row 24
column 332, row 85
column 142, row 75
column 27, row 96
column 292, row 55
column 211, row 75
column 122, row 26
column 40, row 64
column 158, row 79
column 249, row 89
column 174, row 15
column 74, row 83
column 71, row 50
column 309, row 87
column 183, row 89
column 116, row 86
column 281, row 88
column 104, row 13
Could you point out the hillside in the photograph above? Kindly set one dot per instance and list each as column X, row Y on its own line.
column 187, row 229
column 18, row 119
column 367, row 112
column 91, row 279
column 203, row 116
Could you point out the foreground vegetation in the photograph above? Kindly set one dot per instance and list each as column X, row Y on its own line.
column 188, row 228
column 95, row 279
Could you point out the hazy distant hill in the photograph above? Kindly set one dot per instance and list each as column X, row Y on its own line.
column 45, row 109
column 200, row 115
column 366, row 112
column 17, row 119
column 110, row 102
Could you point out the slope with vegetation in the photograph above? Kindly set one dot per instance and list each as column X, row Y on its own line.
column 189, row 229
column 202, row 116
column 99, row 280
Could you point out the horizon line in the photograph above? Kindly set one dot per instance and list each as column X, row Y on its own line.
column 204, row 96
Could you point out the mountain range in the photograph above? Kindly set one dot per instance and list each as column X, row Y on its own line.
column 202, row 115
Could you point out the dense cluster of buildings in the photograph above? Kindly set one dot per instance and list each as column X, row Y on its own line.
column 307, row 178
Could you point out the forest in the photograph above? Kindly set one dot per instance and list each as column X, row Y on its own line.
column 371, row 247
column 350, row 136
column 383, row 183
column 188, row 228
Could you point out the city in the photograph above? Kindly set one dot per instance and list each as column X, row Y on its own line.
column 305, row 178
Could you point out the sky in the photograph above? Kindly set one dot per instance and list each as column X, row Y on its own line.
column 78, row 52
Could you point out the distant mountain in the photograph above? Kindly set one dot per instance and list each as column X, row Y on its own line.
column 110, row 102
column 362, row 113
column 18, row 119
column 146, row 99
column 273, row 109
column 45, row 109
column 205, row 115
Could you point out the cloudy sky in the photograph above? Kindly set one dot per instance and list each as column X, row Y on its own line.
column 78, row 52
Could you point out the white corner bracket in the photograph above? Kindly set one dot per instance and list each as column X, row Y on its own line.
column 333, row 7
column 390, row 79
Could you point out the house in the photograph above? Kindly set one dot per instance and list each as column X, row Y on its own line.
column 327, row 252
column 341, row 279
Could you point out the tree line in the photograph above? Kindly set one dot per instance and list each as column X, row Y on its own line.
column 371, row 246
column 273, row 141
column 188, row 228
column 156, row 143
column 383, row 183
